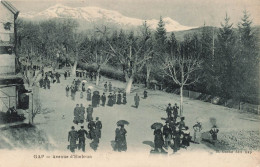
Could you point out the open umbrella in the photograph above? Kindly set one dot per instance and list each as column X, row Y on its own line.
column 122, row 122
column 85, row 81
column 90, row 87
column 156, row 125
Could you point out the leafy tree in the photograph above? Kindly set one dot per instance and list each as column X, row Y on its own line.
column 225, row 58
column 247, row 63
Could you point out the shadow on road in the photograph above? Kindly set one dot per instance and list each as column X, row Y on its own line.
column 149, row 143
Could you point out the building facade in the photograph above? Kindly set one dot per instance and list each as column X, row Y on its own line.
column 10, row 82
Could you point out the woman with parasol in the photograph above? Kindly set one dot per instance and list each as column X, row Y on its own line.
column 120, row 138
column 158, row 137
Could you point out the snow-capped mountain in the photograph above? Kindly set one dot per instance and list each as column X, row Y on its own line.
column 95, row 14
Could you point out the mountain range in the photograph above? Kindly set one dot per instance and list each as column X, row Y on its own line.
column 95, row 15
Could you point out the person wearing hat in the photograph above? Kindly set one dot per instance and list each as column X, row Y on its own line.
column 137, row 100
column 175, row 110
column 105, row 86
column 119, row 98
column 122, row 145
column 197, row 128
column 89, row 113
column 182, row 123
column 214, row 133
column 186, row 137
column 114, row 98
column 81, row 113
column 145, row 94
column 158, row 140
column 67, row 90
column 89, row 94
column 176, row 141
column 103, row 99
column 110, row 100
column 76, row 114
column 169, row 110
column 167, row 134
column 98, row 127
column 110, row 87
column 72, row 138
column 124, row 98
column 81, row 135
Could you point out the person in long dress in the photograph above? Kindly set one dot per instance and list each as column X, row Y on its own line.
column 122, row 145
column 158, row 140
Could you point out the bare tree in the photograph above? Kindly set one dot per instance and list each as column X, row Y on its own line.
column 132, row 63
column 181, row 68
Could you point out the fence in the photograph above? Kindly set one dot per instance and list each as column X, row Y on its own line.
column 228, row 103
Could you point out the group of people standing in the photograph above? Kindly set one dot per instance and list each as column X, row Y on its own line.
column 174, row 134
column 48, row 78
column 93, row 134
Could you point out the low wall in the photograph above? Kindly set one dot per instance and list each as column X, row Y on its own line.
column 228, row 103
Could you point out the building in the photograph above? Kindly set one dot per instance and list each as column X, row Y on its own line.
column 11, row 85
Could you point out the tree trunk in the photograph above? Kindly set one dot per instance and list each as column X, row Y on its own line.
column 129, row 84
column 97, row 76
column 181, row 103
column 148, row 72
column 74, row 68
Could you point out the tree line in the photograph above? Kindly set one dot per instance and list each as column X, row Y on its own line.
column 217, row 61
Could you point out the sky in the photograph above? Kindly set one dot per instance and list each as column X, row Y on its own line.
column 187, row 12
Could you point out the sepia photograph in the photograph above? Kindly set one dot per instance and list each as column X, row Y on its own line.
column 129, row 83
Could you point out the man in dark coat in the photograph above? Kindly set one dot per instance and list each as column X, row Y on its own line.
column 145, row 94
column 76, row 114
column 89, row 113
column 119, row 98
column 169, row 111
column 105, row 86
column 83, row 87
column 98, row 127
column 48, row 83
column 41, row 83
column 81, row 113
column 95, row 139
column 58, row 77
column 110, row 100
column 72, row 138
column 158, row 140
column 175, row 110
column 124, row 98
column 137, row 100
column 89, row 94
column 98, row 99
column 214, row 133
column 167, row 132
column 65, row 75
column 177, row 141
column 103, row 99
column 81, row 135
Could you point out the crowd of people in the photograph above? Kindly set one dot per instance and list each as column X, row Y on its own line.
column 173, row 134
column 176, row 134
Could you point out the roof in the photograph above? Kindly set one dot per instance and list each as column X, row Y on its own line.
column 9, row 6
column 6, row 80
